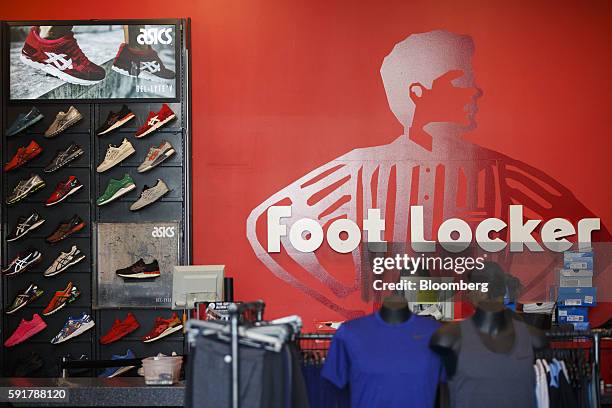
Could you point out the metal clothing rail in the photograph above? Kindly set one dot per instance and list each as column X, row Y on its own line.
column 235, row 311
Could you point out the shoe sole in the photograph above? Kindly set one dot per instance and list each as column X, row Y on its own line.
column 23, row 304
column 142, row 275
column 30, row 333
column 64, row 127
column 165, row 333
column 74, row 156
column 136, row 208
column 27, row 267
column 27, row 193
column 156, row 163
column 118, row 124
column 51, row 70
column 78, row 332
column 122, row 191
column 121, row 371
column 72, row 231
column 71, row 192
column 156, row 126
column 74, row 262
column 121, row 158
column 32, row 228
column 27, row 125
column 143, row 75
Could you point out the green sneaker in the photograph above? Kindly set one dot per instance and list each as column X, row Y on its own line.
column 115, row 189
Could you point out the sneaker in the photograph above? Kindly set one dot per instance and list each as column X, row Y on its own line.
column 25, row 330
column 64, row 261
column 61, row 58
column 115, row 189
column 24, row 121
column 25, row 225
column 23, row 155
column 26, row 297
column 63, row 157
column 74, row 327
column 66, row 229
column 120, row 329
column 64, row 190
column 111, row 372
column 61, row 299
column 25, row 188
column 163, row 328
column 22, row 262
column 149, row 195
column 28, row 365
column 156, row 155
column 142, row 64
column 156, row 120
column 115, row 120
column 140, row 270
column 63, row 121
column 115, row 155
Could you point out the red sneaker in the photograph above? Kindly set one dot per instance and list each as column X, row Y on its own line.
column 23, row 155
column 144, row 64
column 61, row 58
column 64, row 190
column 156, row 120
column 25, row 330
column 163, row 328
column 120, row 329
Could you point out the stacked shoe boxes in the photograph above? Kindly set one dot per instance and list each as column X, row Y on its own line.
column 576, row 292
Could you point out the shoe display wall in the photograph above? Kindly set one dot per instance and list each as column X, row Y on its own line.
column 60, row 181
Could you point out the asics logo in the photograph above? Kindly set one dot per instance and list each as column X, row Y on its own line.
column 151, row 66
column 59, row 61
column 153, row 121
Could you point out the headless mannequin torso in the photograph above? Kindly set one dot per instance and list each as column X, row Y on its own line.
column 395, row 310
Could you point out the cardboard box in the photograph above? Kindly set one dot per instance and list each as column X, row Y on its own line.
column 573, row 314
column 575, row 278
column 577, row 297
column 578, row 260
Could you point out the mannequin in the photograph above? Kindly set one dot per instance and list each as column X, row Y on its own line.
column 395, row 310
column 495, row 325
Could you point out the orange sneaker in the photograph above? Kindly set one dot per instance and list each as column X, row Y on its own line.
column 163, row 327
column 61, row 299
column 23, row 155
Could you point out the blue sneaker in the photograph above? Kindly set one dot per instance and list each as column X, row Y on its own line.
column 74, row 327
column 24, row 121
column 111, row 372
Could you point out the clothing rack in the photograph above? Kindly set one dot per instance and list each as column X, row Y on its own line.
column 580, row 337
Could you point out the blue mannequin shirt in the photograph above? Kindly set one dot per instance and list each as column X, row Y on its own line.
column 385, row 365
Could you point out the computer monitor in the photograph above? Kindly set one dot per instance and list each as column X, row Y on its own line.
column 196, row 283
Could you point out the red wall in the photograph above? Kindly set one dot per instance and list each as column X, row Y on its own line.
column 281, row 87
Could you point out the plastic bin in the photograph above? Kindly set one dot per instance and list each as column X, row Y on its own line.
column 162, row 370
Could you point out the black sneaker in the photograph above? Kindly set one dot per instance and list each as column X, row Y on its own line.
column 26, row 297
column 140, row 270
column 27, row 366
column 115, row 120
column 142, row 64
column 25, row 225
column 63, row 157
column 22, row 262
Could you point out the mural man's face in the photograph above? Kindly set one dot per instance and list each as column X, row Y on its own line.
column 452, row 99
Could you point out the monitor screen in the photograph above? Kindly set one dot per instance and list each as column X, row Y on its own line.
column 196, row 283
column 93, row 61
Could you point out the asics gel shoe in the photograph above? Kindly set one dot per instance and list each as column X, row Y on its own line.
column 61, row 58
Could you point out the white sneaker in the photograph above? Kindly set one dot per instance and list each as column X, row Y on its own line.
column 115, row 155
